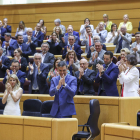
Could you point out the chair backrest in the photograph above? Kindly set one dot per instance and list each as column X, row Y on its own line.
column 93, row 118
column 2, row 87
column 46, row 108
column 138, row 118
column 32, row 107
column 2, row 106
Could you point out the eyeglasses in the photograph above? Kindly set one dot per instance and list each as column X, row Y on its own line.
column 15, row 66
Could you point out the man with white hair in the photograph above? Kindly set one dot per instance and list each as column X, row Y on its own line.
column 70, row 32
column 38, row 34
column 92, row 48
column 74, row 32
column 85, row 78
column 30, row 40
column 37, row 75
column 58, row 23
column 100, row 31
column 122, row 40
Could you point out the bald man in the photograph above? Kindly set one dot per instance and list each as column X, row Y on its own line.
column 122, row 40
column 85, row 78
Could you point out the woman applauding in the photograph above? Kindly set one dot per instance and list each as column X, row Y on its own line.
column 12, row 96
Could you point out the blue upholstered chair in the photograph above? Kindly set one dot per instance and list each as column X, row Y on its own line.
column 46, row 108
column 92, row 123
column 31, row 107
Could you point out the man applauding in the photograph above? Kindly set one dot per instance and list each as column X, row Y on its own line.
column 64, row 88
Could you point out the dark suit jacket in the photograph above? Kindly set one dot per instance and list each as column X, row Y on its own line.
column 40, row 37
column 109, row 79
column 77, row 49
column 32, row 45
column 88, row 79
column 89, row 52
column 74, row 33
column 23, row 63
column 41, row 79
column 49, row 59
column 66, row 40
column 21, row 76
column 26, row 51
column 8, row 29
column 12, row 43
column 3, row 31
column 5, row 66
column 64, row 96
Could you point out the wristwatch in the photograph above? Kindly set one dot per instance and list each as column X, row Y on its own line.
column 102, row 72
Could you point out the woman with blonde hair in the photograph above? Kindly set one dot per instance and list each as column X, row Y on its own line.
column 107, row 23
column 21, row 29
column 126, row 23
column 12, row 96
column 72, row 62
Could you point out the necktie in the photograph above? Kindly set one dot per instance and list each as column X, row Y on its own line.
column 35, row 85
column 120, row 45
column 102, row 80
column 89, row 40
column 35, row 34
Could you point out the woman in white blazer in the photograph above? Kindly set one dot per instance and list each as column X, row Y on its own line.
column 129, row 78
column 83, row 28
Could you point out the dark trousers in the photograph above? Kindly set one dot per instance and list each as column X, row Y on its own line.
column 102, row 93
column 35, row 92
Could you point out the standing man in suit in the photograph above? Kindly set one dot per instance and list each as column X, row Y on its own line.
column 38, row 34
column 4, row 64
column 70, row 32
column 107, row 76
column 30, row 40
column 26, row 51
column 122, row 40
column 135, row 47
column 74, row 32
column 47, row 57
column 97, row 57
column 8, row 44
column 2, row 31
column 7, row 27
column 72, row 46
column 15, row 65
column 88, row 40
column 85, row 78
column 37, row 75
column 64, row 88
column 92, row 48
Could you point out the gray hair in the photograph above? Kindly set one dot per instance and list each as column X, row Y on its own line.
column 98, row 41
column 45, row 43
column 57, row 20
column 29, row 29
column 96, row 36
column 101, row 23
column 8, row 34
column 36, row 54
column 72, row 36
column 62, row 64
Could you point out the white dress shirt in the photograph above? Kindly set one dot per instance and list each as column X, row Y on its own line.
column 109, row 36
column 137, row 54
column 43, row 57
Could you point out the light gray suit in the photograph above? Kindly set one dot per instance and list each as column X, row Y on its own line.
column 125, row 43
column 99, row 60
column 49, row 59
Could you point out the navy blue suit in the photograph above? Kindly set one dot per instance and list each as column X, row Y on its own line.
column 41, row 79
column 5, row 66
column 40, row 37
column 8, row 29
column 21, row 76
column 64, row 96
column 66, row 38
column 89, row 52
column 26, row 51
column 109, row 79
column 3, row 31
column 12, row 43
column 33, row 44
column 74, row 33
column 77, row 50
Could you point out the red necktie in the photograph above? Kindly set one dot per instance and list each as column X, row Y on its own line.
column 35, row 34
column 89, row 40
